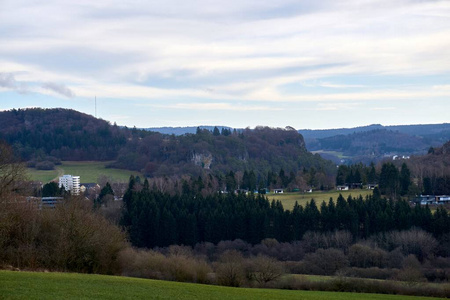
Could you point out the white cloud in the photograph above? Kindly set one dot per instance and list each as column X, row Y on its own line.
column 381, row 108
column 337, row 106
column 227, row 51
column 219, row 106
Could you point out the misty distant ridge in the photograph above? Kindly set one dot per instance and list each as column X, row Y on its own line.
column 416, row 130
column 184, row 130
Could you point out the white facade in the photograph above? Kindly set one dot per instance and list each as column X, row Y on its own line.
column 70, row 183
column 342, row 188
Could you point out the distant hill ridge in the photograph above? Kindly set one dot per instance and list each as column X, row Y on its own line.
column 376, row 142
column 45, row 134
column 419, row 130
column 184, row 130
column 360, row 144
column 39, row 134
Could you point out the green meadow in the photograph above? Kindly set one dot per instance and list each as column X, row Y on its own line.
column 339, row 155
column 34, row 285
column 89, row 171
column 288, row 199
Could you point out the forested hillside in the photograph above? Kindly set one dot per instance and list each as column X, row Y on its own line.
column 365, row 144
column 372, row 145
column 432, row 171
column 262, row 149
column 60, row 134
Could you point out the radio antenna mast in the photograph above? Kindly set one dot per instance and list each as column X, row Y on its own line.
column 96, row 106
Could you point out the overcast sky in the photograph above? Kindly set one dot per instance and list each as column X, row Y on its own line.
column 305, row 64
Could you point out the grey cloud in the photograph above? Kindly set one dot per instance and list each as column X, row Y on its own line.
column 59, row 88
column 8, row 81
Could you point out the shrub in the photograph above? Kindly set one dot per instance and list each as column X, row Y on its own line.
column 374, row 273
column 325, row 261
column 363, row 256
column 31, row 164
column 45, row 165
column 237, row 245
column 357, row 285
column 414, row 241
column 142, row 263
column 281, row 251
column 68, row 238
column 155, row 265
column 230, row 270
column 394, row 259
column 313, row 241
column 411, row 272
column 265, row 269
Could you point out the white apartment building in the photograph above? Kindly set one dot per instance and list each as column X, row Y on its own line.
column 70, row 183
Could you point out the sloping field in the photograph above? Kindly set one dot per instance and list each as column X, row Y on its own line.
column 89, row 171
column 288, row 199
column 28, row 285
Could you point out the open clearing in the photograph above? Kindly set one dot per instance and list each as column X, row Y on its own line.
column 288, row 199
column 339, row 155
column 89, row 171
column 29, row 285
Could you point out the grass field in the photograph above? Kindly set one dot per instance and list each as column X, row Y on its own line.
column 89, row 171
column 288, row 199
column 339, row 155
column 28, row 285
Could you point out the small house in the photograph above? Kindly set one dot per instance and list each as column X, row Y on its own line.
column 342, row 188
column 443, row 199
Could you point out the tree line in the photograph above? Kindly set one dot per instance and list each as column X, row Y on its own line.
column 394, row 180
column 154, row 218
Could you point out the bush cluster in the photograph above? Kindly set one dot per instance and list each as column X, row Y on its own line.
column 68, row 238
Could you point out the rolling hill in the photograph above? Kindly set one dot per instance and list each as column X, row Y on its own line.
column 41, row 135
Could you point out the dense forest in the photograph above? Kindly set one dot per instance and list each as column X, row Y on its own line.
column 262, row 149
column 153, row 218
column 63, row 134
column 361, row 144
column 44, row 136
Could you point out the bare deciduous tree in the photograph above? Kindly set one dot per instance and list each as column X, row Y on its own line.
column 12, row 172
column 266, row 269
column 230, row 270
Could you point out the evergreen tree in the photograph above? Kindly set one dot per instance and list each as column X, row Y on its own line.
column 106, row 193
column 405, row 179
column 153, row 218
column 230, row 181
column 389, row 179
column 312, row 180
column 341, row 175
column 372, row 174
column 252, row 180
column 357, row 177
column 427, row 186
column 51, row 189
